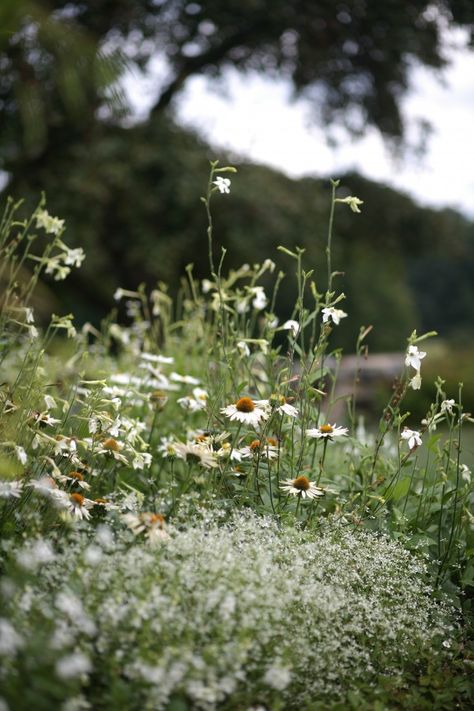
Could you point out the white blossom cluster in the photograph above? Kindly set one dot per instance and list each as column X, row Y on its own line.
column 218, row 614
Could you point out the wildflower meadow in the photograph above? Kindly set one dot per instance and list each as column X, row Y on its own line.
column 192, row 518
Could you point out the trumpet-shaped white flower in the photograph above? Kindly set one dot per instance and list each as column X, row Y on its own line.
column 302, row 486
column 413, row 437
column 222, row 184
column 414, row 357
column 447, row 406
column 259, row 300
column 415, row 382
column 329, row 312
column 352, row 201
column 247, row 411
column 292, row 326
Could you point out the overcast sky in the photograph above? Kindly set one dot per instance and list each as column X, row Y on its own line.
column 255, row 118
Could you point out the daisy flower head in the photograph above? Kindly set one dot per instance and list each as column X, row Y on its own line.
column 152, row 525
column 193, row 453
column 281, row 405
column 247, row 411
column 327, row 431
column 412, row 437
column 414, row 357
column 303, row 487
column 329, row 312
column 267, row 449
column 222, row 184
column 79, row 506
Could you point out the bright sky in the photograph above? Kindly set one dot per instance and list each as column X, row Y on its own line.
column 255, row 118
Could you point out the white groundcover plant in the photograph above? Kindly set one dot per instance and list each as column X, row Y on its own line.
column 232, row 614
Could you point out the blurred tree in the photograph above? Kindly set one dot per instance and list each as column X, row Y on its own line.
column 59, row 59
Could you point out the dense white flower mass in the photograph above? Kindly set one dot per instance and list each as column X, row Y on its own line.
column 191, row 618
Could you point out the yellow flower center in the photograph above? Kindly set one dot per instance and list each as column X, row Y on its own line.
column 76, row 475
column 301, row 483
column 254, row 445
column 111, row 444
column 272, row 441
column 326, row 429
column 77, row 499
column 245, row 404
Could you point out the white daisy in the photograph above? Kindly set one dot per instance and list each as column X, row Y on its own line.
column 412, row 437
column 152, row 525
column 281, row 405
column 327, row 432
column 10, row 489
column 247, row 411
column 267, row 449
column 79, row 506
column 197, row 402
column 196, row 453
column 302, row 486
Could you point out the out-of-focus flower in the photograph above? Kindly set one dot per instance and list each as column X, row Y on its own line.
column 352, row 201
column 412, row 437
column 222, row 184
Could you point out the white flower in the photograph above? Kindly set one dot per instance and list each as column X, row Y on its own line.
column 196, row 453
column 412, row 437
column 277, row 677
column 243, row 348
column 327, row 432
column 269, row 264
column 10, row 640
column 79, row 506
column 189, row 379
column 302, row 486
column 10, row 489
column 21, row 454
column 414, row 357
column 222, row 184
column 415, row 382
column 292, row 326
column 73, row 666
column 281, row 405
column 152, row 525
column 352, row 201
column 246, row 411
column 267, row 449
column 195, row 403
column 447, row 406
column 260, row 300
column 52, row 225
column 329, row 312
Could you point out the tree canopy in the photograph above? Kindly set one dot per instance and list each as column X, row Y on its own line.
column 60, row 60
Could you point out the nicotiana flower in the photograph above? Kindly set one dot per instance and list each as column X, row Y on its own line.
column 447, row 406
column 414, row 357
column 302, row 486
column 52, row 225
column 247, row 411
column 292, row 326
column 415, row 382
column 222, row 184
column 352, row 201
column 259, row 300
column 327, row 432
column 412, row 437
column 329, row 312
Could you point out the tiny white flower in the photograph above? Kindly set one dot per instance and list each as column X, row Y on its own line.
column 222, row 184
column 21, row 454
column 414, row 357
column 10, row 489
column 329, row 312
column 243, row 348
column 412, row 437
column 260, row 300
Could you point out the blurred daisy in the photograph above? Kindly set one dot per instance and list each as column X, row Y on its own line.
column 412, row 437
column 327, row 432
column 79, row 506
column 196, row 454
column 281, row 405
column 267, row 449
column 335, row 315
column 10, row 489
column 302, row 486
column 152, row 525
column 247, row 411
column 198, row 401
